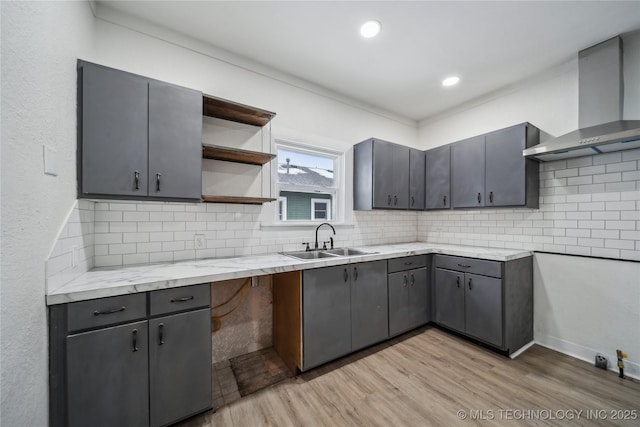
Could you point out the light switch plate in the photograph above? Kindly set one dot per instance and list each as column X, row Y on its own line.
column 50, row 161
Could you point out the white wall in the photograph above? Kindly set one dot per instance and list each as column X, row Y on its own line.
column 40, row 44
column 586, row 208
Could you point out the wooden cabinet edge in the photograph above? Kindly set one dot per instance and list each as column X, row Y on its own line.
column 287, row 318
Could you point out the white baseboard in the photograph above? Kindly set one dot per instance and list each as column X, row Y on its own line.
column 587, row 354
column 522, row 350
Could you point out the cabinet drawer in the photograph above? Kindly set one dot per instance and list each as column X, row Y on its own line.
column 470, row 265
column 179, row 299
column 406, row 263
column 106, row 311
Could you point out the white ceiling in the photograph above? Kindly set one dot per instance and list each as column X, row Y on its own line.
column 488, row 44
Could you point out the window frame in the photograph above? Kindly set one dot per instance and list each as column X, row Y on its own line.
column 282, row 200
column 336, row 192
column 329, row 209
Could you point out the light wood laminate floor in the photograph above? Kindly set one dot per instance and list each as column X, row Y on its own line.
column 426, row 377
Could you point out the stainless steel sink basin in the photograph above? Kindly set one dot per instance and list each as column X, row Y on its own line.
column 346, row 252
column 325, row 253
column 309, row 255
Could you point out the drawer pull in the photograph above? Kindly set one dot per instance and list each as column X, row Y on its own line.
column 161, row 334
column 408, row 263
column 115, row 310
column 134, row 340
column 183, row 299
column 464, row 266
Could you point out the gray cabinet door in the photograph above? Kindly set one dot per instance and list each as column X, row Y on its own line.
column 418, row 297
column 416, row 179
column 326, row 310
column 179, row 366
column 483, row 308
column 107, row 378
column 438, row 178
column 369, row 301
column 505, row 167
column 114, row 132
column 398, row 302
column 467, row 172
column 449, row 299
column 400, row 176
column 383, row 184
column 175, row 141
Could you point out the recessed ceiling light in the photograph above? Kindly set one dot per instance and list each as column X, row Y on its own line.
column 451, row 81
column 370, row 29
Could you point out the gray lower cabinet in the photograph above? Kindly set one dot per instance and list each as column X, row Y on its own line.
column 107, row 380
column 488, row 300
column 438, row 178
column 138, row 138
column 409, row 305
column 344, row 309
column 136, row 360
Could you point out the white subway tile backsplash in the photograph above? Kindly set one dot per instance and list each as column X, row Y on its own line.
column 579, row 162
column 123, row 227
column 579, row 180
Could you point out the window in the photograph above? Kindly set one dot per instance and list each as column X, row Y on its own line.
column 308, row 183
column 321, row 209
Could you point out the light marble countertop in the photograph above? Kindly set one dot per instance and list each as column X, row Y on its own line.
column 105, row 282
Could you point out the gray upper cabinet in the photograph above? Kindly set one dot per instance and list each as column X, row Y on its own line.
column 416, row 179
column 382, row 174
column 489, row 170
column 114, row 132
column 139, row 138
column 107, row 379
column 511, row 180
column 467, row 172
column 175, row 141
column 438, row 178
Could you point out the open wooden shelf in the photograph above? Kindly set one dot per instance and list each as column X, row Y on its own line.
column 236, row 155
column 235, row 112
column 236, row 200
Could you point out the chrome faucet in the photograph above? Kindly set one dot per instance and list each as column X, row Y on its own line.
column 331, row 238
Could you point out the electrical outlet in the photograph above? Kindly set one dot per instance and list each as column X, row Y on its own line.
column 199, row 241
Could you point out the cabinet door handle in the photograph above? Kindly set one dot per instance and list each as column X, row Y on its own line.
column 408, row 263
column 183, row 299
column 389, row 200
column 115, row 310
column 470, row 284
column 345, row 275
column 491, row 197
column 458, row 281
column 404, row 280
column 355, row 273
column 134, row 340
column 413, row 200
column 158, row 175
column 444, row 200
column 479, row 198
column 413, row 279
column 161, row 334
column 136, row 178
column 395, row 200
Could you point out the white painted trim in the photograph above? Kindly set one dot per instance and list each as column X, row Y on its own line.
column 586, row 354
column 282, row 200
column 329, row 209
column 522, row 350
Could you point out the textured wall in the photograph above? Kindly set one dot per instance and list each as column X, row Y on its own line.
column 40, row 44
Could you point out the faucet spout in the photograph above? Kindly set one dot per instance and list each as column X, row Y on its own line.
column 317, row 228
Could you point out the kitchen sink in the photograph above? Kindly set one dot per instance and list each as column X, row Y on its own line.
column 346, row 252
column 325, row 253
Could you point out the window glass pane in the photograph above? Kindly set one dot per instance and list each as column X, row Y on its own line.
column 298, row 205
column 298, row 168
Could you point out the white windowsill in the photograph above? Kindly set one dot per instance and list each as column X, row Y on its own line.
column 303, row 225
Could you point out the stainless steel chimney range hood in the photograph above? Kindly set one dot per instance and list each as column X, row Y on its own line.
column 602, row 129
